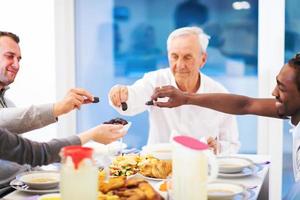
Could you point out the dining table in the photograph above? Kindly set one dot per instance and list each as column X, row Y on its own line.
column 257, row 182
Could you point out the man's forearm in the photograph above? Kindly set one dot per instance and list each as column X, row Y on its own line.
column 234, row 104
column 21, row 150
column 227, row 103
column 24, row 119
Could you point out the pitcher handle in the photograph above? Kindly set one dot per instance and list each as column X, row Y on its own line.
column 214, row 167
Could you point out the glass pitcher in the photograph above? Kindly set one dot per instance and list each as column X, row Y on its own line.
column 190, row 168
column 78, row 174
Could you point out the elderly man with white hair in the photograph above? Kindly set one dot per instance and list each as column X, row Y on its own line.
column 187, row 55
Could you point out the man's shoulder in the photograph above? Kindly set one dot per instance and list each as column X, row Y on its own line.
column 160, row 74
column 212, row 85
column 158, row 77
column 9, row 103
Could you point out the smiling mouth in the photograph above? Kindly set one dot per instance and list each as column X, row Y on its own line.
column 12, row 72
column 278, row 103
column 280, row 108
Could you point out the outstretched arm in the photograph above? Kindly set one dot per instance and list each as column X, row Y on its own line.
column 21, row 150
column 24, row 119
column 227, row 103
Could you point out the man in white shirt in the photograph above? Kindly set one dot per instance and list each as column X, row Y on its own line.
column 186, row 54
column 285, row 104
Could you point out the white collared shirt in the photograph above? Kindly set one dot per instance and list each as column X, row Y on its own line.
column 295, row 130
column 189, row 120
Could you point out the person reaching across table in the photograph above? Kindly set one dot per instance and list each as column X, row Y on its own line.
column 286, row 104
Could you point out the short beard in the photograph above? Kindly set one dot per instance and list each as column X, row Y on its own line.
column 282, row 116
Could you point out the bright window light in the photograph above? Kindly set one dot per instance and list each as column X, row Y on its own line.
column 241, row 5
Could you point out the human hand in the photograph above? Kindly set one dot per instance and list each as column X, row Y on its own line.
column 74, row 99
column 176, row 97
column 213, row 144
column 118, row 94
column 107, row 133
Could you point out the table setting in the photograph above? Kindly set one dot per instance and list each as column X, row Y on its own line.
column 250, row 184
column 184, row 168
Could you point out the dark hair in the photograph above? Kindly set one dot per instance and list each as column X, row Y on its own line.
column 11, row 35
column 295, row 63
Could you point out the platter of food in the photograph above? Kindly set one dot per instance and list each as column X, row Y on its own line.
column 147, row 166
column 122, row 188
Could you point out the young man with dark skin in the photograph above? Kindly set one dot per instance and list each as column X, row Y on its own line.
column 286, row 104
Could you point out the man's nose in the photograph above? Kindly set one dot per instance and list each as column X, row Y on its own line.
column 275, row 92
column 180, row 63
column 16, row 64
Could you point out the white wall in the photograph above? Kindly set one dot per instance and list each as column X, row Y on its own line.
column 270, row 61
column 65, row 60
column 46, row 31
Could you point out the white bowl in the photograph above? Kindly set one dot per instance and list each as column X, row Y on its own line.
column 40, row 179
column 215, row 190
column 232, row 164
column 127, row 126
column 162, row 151
column 100, row 149
column 223, row 190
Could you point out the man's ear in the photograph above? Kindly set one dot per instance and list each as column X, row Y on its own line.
column 203, row 60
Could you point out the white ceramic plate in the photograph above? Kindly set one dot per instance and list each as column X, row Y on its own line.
column 246, row 194
column 162, row 193
column 162, row 151
column 150, row 178
column 248, row 171
column 223, row 190
column 40, row 179
column 20, row 186
column 233, row 164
